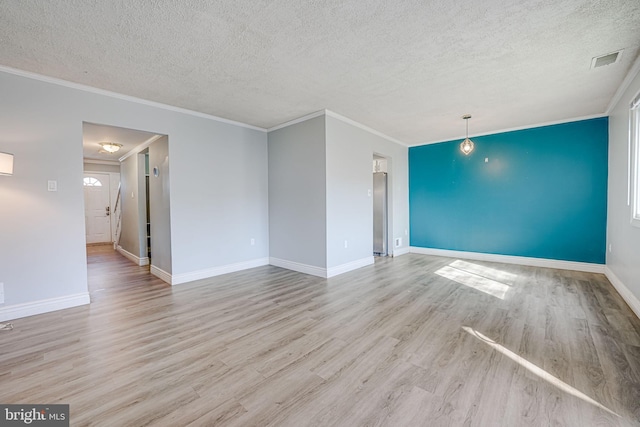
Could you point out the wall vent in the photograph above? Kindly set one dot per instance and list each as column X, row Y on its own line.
column 608, row 59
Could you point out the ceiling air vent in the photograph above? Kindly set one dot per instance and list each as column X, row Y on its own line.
column 608, row 59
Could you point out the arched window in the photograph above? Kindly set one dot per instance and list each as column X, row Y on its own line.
column 92, row 182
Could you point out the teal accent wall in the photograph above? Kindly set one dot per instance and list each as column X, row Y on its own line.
column 542, row 193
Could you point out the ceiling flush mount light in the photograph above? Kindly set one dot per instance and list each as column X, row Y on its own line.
column 110, row 147
column 6, row 164
column 467, row 145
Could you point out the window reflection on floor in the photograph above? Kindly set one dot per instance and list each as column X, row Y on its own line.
column 539, row 372
column 481, row 278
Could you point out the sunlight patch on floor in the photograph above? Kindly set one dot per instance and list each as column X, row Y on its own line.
column 541, row 373
column 475, row 281
column 488, row 272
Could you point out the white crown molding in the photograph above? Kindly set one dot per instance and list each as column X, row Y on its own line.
column 349, row 266
column 533, row 126
column 140, row 147
column 161, row 274
column 298, row 120
column 338, row 117
column 178, row 279
column 300, row 268
column 101, row 162
column 123, row 97
column 510, row 259
column 18, row 311
column 131, row 257
column 363, row 127
column 624, row 292
column 633, row 71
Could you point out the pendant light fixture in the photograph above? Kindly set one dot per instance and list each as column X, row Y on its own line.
column 467, row 145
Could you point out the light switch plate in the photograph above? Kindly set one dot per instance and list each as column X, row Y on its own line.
column 52, row 185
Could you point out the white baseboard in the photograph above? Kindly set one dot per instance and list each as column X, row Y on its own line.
column 400, row 251
column 217, row 271
column 353, row 265
column 624, row 292
column 325, row 273
column 161, row 274
column 43, row 306
column 301, row 268
column 509, row 259
column 131, row 257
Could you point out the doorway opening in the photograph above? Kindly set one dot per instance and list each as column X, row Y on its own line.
column 122, row 221
column 380, row 206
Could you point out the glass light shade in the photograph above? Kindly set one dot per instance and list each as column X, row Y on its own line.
column 467, row 146
column 110, row 147
column 6, row 164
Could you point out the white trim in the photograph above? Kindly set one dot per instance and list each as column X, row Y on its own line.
column 301, row 268
column 633, row 198
column 400, row 251
column 161, row 274
column 624, row 292
column 18, row 311
column 123, row 97
column 101, row 162
column 364, row 127
column 338, row 117
column 131, row 257
column 510, row 259
column 350, row 266
column 178, row 279
column 141, row 147
column 532, row 126
column 298, row 120
column 633, row 71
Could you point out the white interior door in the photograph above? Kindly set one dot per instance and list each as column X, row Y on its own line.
column 97, row 208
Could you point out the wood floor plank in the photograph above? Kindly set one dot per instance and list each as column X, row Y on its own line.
column 392, row 344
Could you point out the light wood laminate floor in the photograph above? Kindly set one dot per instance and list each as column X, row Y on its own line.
column 409, row 341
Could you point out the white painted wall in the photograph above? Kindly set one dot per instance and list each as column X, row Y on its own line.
column 623, row 260
column 349, row 205
column 320, row 175
column 133, row 221
column 219, row 195
column 42, row 233
column 350, row 151
column 297, row 193
column 218, row 186
column 159, row 208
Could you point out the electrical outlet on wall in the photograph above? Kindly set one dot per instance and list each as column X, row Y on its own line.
column 346, row 244
column 398, row 242
column 253, row 242
column 1, row 293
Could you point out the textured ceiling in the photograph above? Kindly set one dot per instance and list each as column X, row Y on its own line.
column 93, row 135
column 409, row 69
